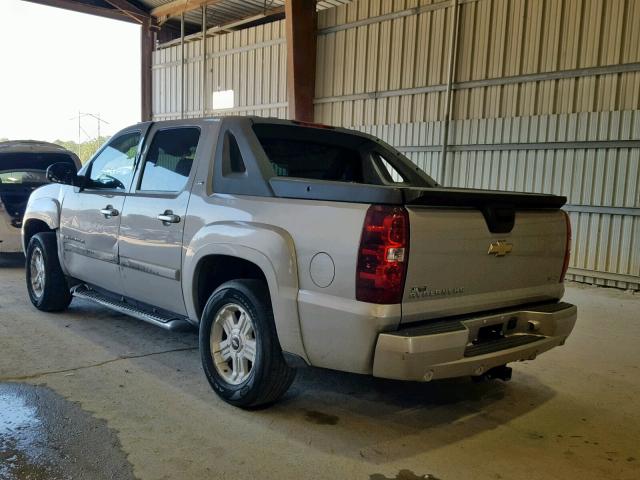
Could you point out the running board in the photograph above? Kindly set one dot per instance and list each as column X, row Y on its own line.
column 168, row 323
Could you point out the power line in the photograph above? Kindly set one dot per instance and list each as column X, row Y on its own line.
column 79, row 117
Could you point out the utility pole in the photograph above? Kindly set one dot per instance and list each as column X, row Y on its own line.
column 80, row 130
column 98, row 118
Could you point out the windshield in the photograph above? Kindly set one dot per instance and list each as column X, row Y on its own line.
column 23, row 177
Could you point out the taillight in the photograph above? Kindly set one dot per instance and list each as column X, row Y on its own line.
column 383, row 255
column 567, row 248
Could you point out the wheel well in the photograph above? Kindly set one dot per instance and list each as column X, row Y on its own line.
column 32, row 227
column 214, row 270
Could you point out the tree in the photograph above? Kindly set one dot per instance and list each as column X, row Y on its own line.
column 85, row 150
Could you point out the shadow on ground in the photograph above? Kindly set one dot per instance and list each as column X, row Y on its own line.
column 352, row 415
column 11, row 260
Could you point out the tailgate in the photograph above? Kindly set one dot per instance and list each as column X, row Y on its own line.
column 457, row 265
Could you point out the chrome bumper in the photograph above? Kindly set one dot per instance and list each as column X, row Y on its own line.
column 472, row 345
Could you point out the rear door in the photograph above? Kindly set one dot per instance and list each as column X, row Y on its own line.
column 90, row 216
column 153, row 218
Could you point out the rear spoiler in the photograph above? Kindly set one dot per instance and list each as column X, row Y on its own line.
column 462, row 197
column 288, row 187
column 499, row 208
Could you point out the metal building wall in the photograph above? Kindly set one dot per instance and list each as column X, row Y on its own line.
column 251, row 62
column 386, row 61
column 546, row 98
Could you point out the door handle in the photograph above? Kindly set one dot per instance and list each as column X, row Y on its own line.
column 109, row 212
column 168, row 217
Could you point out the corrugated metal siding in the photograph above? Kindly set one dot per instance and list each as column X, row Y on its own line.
column 546, row 99
column 400, row 61
column 251, row 62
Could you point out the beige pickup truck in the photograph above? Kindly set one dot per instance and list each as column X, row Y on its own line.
column 290, row 244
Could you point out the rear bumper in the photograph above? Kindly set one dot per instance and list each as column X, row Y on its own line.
column 452, row 348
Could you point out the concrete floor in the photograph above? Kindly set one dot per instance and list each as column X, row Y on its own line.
column 139, row 391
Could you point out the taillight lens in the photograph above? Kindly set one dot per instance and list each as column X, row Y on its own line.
column 567, row 248
column 383, row 255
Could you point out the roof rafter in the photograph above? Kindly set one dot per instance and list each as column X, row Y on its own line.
column 81, row 7
column 177, row 7
column 130, row 10
column 227, row 27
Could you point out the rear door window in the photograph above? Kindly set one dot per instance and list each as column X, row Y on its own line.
column 169, row 160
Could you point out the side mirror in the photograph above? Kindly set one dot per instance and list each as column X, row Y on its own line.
column 62, row 172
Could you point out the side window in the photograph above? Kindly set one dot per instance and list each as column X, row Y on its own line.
column 169, row 160
column 113, row 167
column 232, row 157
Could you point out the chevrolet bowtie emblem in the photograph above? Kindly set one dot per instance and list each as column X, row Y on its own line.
column 500, row 248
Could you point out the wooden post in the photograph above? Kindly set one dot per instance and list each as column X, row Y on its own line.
column 146, row 52
column 301, row 58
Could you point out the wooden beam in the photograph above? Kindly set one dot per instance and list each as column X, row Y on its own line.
column 112, row 13
column 178, row 7
column 301, row 25
column 130, row 10
column 146, row 52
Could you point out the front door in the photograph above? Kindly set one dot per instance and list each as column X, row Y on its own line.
column 91, row 215
column 152, row 221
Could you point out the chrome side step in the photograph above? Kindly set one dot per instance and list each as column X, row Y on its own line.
column 168, row 323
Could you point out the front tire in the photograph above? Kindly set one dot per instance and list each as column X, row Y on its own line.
column 239, row 347
column 46, row 283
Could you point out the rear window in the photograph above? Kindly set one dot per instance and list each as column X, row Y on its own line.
column 313, row 153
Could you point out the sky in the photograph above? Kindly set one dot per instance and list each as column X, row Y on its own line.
column 55, row 63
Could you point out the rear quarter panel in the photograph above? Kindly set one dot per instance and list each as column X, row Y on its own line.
column 316, row 315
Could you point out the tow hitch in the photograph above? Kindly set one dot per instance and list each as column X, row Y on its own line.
column 501, row 373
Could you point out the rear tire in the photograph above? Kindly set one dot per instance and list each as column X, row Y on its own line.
column 241, row 355
column 46, row 282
